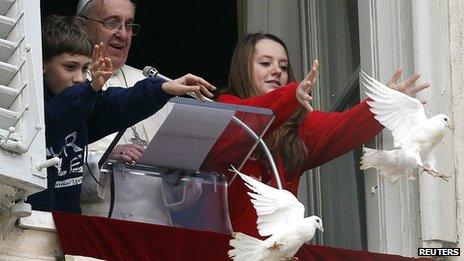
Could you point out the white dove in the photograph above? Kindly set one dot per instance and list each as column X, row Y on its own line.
column 414, row 135
column 280, row 216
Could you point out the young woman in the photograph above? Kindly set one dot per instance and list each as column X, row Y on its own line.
column 300, row 138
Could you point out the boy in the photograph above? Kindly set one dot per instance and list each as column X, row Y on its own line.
column 77, row 112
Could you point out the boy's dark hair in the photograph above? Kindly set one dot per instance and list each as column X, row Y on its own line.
column 64, row 34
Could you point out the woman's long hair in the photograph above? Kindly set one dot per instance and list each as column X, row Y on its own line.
column 285, row 141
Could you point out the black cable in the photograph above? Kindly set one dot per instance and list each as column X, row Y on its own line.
column 102, row 161
column 110, row 148
column 86, row 163
column 110, row 211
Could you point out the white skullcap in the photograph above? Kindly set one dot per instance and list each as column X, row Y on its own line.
column 81, row 5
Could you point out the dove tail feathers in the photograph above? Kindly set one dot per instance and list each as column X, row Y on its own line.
column 245, row 248
column 370, row 158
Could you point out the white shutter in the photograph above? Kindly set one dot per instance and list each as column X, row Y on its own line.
column 22, row 130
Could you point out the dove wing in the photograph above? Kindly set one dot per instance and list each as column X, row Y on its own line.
column 275, row 208
column 400, row 113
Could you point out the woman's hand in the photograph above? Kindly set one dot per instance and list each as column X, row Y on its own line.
column 189, row 83
column 129, row 153
column 407, row 86
column 303, row 91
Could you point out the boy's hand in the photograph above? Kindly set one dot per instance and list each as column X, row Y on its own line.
column 189, row 83
column 101, row 67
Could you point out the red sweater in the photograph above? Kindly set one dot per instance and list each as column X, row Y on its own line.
column 326, row 136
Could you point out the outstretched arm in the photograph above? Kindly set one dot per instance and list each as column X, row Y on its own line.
column 118, row 108
column 329, row 135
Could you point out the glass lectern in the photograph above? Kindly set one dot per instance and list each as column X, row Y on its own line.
column 184, row 169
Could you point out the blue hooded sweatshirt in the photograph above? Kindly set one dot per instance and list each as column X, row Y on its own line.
column 78, row 116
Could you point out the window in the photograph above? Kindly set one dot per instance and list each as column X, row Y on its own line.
column 337, row 187
column 22, row 139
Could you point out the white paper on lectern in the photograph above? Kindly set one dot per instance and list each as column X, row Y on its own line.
column 186, row 136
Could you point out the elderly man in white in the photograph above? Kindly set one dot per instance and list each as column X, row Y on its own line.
column 112, row 22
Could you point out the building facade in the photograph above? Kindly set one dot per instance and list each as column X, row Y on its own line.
column 359, row 210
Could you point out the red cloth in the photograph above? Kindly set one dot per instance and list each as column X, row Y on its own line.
column 326, row 136
column 112, row 239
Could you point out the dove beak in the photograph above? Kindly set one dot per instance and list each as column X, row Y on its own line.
column 322, row 229
column 450, row 126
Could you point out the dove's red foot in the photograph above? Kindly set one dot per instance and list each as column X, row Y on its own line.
column 434, row 173
column 276, row 246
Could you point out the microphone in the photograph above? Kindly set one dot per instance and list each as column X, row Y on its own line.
column 151, row 72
